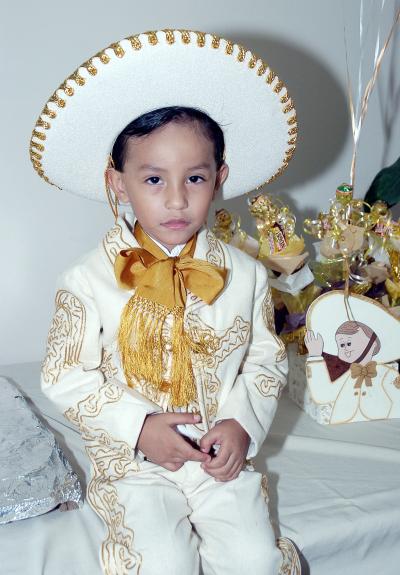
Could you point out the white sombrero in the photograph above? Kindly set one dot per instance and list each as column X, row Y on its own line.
column 330, row 310
column 76, row 129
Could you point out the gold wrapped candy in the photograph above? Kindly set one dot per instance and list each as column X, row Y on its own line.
column 280, row 248
column 275, row 226
column 342, row 229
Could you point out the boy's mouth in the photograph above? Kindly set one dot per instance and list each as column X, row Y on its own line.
column 175, row 224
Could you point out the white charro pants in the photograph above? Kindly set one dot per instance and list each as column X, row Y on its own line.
column 184, row 518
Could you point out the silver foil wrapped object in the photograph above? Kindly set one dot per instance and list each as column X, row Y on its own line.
column 35, row 476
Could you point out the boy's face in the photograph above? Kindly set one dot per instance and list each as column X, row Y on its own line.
column 170, row 179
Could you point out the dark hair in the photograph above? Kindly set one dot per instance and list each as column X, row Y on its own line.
column 151, row 121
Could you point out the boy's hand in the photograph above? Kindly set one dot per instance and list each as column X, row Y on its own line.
column 163, row 445
column 234, row 443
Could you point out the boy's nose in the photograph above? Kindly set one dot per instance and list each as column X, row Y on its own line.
column 176, row 198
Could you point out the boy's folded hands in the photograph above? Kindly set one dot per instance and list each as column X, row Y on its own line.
column 163, row 445
column 233, row 442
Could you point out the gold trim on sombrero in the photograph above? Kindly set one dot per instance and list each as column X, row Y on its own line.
column 92, row 68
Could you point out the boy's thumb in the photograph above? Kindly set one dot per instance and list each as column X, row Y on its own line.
column 206, row 444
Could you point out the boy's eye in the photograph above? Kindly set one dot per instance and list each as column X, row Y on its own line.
column 342, row 345
column 349, row 344
column 153, row 180
column 196, row 179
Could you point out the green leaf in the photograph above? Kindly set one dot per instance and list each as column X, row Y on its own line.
column 385, row 186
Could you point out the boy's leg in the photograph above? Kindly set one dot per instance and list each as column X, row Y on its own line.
column 149, row 531
column 232, row 521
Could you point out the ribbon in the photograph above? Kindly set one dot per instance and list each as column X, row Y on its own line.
column 359, row 112
column 363, row 373
column 164, row 280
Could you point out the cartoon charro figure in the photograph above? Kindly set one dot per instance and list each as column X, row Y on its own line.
column 351, row 363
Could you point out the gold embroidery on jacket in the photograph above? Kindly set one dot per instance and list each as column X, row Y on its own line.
column 281, row 353
column 107, row 366
column 268, row 386
column 215, row 254
column 64, row 342
column 113, row 243
column 268, row 313
column 111, row 460
column 290, row 559
column 264, row 487
column 150, row 392
column 206, row 367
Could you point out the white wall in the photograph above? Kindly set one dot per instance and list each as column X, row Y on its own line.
column 43, row 230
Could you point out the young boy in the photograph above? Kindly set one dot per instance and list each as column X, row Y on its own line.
column 163, row 352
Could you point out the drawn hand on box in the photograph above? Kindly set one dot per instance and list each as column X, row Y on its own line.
column 314, row 343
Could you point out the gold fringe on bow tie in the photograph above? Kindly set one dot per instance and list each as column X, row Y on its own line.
column 160, row 284
column 142, row 349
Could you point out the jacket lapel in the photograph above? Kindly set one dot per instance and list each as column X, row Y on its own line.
column 119, row 237
column 208, row 248
column 212, row 250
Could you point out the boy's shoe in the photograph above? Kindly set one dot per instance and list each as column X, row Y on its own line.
column 291, row 563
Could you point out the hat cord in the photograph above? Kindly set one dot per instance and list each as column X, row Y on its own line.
column 111, row 195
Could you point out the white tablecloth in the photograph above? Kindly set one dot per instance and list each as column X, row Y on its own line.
column 334, row 490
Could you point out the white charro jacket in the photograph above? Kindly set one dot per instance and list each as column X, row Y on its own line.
column 242, row 378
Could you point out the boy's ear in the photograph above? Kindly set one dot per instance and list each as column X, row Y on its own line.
column 116, row 183
column 222, row 175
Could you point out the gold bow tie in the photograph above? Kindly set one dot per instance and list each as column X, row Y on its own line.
column 363, row 373
column 160, row 285
column 164, row 279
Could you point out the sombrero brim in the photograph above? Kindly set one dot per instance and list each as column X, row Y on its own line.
column 75, row 131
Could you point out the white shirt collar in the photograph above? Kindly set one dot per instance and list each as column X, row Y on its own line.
column 131, row 219
column 176, row 250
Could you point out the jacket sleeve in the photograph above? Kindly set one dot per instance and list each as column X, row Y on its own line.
column 103, row 409
column 253, row 399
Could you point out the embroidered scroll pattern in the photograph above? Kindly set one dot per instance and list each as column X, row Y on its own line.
column 264, row 487
column 290, row 558
column 113, row 243
column 107, row 366
column 220, row 347
column 111, row 460
column 268, row 386
column 268, row 313
column 215, row 254
column 64, row 342
column 267, row 308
